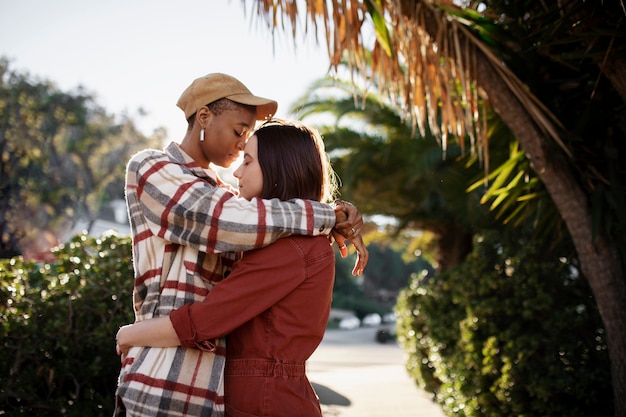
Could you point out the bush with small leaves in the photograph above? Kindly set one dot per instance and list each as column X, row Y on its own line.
column 513, row 331
column 58, row 324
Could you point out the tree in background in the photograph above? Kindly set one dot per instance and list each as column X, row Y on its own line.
column 483, row 310
column 554, row 72
column 388, row 168
column 62, row 157
column 389, row 269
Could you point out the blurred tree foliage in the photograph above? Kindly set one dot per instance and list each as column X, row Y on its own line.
column 512, row 331
column 58, row 322
column 388, row 271
column 62, row 157
column 388, row 168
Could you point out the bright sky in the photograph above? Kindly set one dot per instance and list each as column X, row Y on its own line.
column 134, row 54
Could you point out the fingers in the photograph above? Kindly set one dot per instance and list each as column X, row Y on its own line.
column 362, row 256
column 341, row 243
column 121, row 350
column 349, row 221
column 354, row 216
column 348, row 226
column 359, row 246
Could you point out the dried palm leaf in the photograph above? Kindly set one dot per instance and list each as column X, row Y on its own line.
column 424, row 57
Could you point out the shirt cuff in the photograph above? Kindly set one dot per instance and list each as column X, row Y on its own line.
column 324, row 218
column 186, row 332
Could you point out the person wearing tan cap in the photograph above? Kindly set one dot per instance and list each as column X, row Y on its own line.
column 189, row 228
column 275, row 304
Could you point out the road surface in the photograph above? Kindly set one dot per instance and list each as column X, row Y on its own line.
column 355, row 376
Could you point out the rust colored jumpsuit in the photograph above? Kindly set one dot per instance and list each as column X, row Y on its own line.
column 274, row 307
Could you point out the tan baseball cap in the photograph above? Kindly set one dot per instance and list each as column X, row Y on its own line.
column 212, row 87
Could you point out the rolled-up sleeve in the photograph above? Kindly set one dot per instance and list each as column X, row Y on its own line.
column 183, row 325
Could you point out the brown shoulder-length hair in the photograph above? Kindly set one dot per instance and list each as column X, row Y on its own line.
column 294, row 163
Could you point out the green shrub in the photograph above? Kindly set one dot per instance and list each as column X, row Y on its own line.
column 513, row 331
column 59, row 321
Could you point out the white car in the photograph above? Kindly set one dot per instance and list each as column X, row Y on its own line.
column 350, row 323
column 373, row 319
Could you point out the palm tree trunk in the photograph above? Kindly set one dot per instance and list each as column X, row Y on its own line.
column 454, row 243
column 599, row 257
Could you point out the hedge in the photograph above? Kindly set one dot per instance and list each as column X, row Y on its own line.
column 59, row 321
column 513, row 331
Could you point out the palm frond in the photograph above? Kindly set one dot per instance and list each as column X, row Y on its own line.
column 425, row 54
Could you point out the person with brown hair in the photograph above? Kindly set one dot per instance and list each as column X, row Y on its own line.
column 188, row 229
column 274, row 305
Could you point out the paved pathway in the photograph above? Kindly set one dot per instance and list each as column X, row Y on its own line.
column 355, row 376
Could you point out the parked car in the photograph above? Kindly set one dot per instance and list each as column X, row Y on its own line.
column 387, row 329
column 349, row 323
column 373, row 319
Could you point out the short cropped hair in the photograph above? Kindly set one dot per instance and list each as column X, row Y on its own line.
column 220, row 106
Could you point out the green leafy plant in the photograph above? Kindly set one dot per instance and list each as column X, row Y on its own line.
column 58, row 325
column 513, row 331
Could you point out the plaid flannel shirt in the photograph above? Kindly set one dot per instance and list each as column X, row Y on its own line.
column 187, row 232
